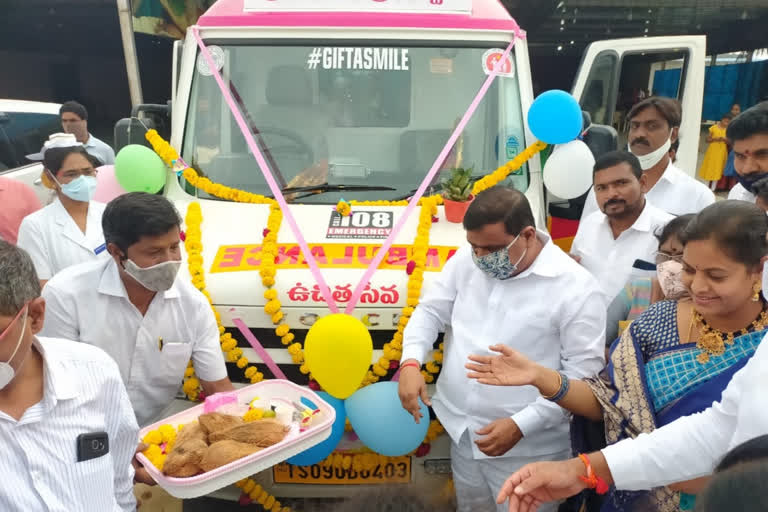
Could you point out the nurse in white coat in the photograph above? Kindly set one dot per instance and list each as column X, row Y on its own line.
column 67, row 231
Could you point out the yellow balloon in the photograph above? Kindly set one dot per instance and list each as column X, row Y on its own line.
column 338, row 351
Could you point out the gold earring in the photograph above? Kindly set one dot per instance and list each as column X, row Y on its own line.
column 757, row 287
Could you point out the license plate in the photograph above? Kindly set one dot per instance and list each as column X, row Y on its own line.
column 396, row 471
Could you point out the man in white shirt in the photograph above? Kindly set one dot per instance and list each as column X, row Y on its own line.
column 748, row 134
column 135, row 308
column 683, row 450
column 653, row 126
column 74, row 120
column 512, row 286
column 67, row 430
column 624, row 230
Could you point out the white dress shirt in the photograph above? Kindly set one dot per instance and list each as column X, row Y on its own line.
column 675, row 193
column 610, row 260
column 54, row 242
column 553, row 312
column 88, row 303
column 739, row 193
column 100, row 149
column 82, row 394
column 693, row 445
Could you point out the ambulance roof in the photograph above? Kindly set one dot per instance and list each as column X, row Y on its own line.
column 485, row 15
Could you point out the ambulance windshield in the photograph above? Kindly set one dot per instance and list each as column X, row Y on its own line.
column 372, row 119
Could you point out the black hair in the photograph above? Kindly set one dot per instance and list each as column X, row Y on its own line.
column 740, row 488
column 76, row 108
column 751, row 451
column 726, row 115
column 674, row 227
column 614, row 158
column 753, row 121
column 760, row 188
column 131, row 216
column 54, row 158
column 500, row 204
column 667, row 107
column 739, row 228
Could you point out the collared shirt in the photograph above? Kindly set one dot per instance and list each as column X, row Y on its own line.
column 739, row 193
column 610, row 260
column 675, row 193
column 18, row 200
column 691, row 446
column 88, row 303
column 55, row 242
column 100, row 149
column 82, row 394
column 553, row 312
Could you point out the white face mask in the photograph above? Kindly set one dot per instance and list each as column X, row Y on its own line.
column 157, row 278
column 654, row 157
column 7, row 373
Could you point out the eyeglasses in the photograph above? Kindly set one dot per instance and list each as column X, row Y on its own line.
column 661, row 257
column 72, row 174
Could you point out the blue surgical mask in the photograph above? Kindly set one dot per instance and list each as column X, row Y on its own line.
column 497, row 264
column 80, row 189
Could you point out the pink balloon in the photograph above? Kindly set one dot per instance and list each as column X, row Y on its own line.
column 107, row 187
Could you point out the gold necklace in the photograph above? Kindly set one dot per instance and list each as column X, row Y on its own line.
column 712, row 342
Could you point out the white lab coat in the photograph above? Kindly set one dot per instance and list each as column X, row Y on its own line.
column 54, row 242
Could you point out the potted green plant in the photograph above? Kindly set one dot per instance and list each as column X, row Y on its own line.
column 457, row 194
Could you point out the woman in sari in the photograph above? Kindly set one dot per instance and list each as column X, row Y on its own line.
column 677, row 357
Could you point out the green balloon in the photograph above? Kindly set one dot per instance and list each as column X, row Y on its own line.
column 139, row 169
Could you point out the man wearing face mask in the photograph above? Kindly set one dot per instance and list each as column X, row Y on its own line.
column 748, row 135
column 67, row 431
column 653, row 127
column 609, row 241
column 510, row 286
column 133, row 306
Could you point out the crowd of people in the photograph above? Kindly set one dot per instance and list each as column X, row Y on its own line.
column 669, row 279
column 615, row 352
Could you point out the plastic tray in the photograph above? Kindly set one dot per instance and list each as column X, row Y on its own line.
column 294, row 443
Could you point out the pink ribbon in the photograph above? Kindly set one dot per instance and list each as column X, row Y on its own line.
column 324, row 289
column 427, row 180
column 260, row 350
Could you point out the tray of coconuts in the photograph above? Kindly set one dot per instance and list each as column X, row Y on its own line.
column 233, row 436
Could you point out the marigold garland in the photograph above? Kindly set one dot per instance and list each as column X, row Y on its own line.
column 234, row 354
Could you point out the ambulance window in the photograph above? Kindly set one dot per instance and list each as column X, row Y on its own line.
column 599, row 94
column 367, row 98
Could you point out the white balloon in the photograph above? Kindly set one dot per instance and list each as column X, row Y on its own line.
column 568, row 171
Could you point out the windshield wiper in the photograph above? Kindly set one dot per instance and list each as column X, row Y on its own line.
column 326, row 187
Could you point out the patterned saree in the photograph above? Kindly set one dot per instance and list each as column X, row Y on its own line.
column 651, row 380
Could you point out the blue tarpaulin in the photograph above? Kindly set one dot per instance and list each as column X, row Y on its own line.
column 723, row 86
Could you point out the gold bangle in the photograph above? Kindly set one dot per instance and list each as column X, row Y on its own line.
column 559, row 385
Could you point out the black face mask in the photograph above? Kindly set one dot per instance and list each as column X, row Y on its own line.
column 748, row 180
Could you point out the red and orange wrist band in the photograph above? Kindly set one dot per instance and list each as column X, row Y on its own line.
column 592, row 480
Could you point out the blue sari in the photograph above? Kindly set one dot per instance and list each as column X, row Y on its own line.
column 652, row 379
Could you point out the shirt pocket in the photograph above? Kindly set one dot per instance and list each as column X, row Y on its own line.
column 93, row 483
column 170, row 364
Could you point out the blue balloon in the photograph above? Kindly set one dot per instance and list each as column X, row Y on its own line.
column 555, row 117
column 321, row 451
column 381, row 422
